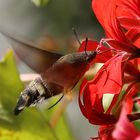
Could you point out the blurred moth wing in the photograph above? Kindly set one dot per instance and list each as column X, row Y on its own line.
column 37, row 59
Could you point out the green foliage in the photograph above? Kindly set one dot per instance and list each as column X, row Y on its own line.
column 31, row 124
column 40, row 2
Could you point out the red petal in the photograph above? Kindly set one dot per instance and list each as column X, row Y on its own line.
column 107, row 15
column 124, row 129
column 134, row 36
column 90, row 46
column 81, row 91
column 132, row 70
column 128, row 13
column 105, row 132
column 109, row 77
column 138, row 137
column 92, row 107
column 120, row 46
column 89, row 99
column 130, row 92
column 130, row 8
column 109, row 21
column 98, row 118
column 101, row 56
column 94, row 112
column 128, row 22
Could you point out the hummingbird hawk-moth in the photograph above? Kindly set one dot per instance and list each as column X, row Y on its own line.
column 58, row 73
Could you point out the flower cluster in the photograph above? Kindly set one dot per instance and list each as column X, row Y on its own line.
column 119, row 75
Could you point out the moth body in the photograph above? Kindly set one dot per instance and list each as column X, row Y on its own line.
column 62, row 76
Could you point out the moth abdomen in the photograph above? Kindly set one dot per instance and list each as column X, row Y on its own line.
column 34, row 93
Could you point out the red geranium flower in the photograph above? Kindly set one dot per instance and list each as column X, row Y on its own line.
column 116, row 71
column 109, row 79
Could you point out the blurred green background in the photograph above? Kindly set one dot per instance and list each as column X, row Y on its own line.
column 36, row 21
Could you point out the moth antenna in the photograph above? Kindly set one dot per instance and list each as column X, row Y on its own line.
column 76, row 35
column 86, row 42
column 56, row 102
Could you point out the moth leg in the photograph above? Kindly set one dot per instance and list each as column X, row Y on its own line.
column 56, row 102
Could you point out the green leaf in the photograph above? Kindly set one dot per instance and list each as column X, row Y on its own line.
column 40, row 2
column 30, row 124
